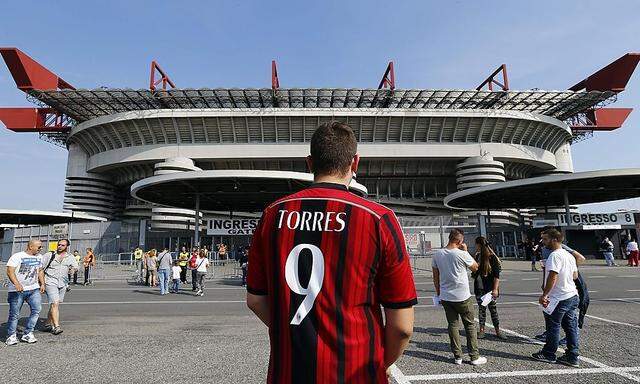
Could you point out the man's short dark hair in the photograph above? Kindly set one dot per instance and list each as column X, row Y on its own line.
column 554, row 234
column 67, row 240
column 333, row 146
column 455, row 232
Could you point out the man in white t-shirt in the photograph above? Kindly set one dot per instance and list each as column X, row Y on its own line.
column 24, row 270
column 451, row 281
column 202, row 264
column 560, row 300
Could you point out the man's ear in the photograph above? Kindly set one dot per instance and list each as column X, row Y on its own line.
column 354, row 163
column 310, row 163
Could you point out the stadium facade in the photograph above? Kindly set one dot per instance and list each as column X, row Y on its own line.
column 417, row 145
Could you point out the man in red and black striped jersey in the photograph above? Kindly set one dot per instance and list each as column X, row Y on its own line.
column 322, row 263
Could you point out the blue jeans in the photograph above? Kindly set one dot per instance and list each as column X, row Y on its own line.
column 163, row 277
column 563, row 316
column 176, row 285
column 15, row 300
column 608, row 256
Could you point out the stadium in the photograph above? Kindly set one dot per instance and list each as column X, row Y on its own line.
column 417, row 145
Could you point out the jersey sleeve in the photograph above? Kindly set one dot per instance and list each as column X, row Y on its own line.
column 396, row 287
column 257, row 271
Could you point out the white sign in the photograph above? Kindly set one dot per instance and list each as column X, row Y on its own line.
column 600, row 219
column 59, row 230
column 596, row 227
column 540, row 223
column 233, row 227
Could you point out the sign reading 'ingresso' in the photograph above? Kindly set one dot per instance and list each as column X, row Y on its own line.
column 598, row 219
column 218, row 227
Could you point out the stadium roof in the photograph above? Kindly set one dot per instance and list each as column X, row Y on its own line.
column 224, row 190
column 549, row 191
column 86, row 104
column 29, row 217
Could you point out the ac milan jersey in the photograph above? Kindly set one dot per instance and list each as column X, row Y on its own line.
column 327, row 259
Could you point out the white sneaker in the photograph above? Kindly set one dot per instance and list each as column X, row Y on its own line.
column 29, row 338
column 12, row 340
column 201, row 293
column 479, row 361
column 457, row 361
column 198, row 292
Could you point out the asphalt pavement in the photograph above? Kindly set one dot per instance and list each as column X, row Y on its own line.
column 120, row 333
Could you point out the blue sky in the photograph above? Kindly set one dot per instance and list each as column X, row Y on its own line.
column 434, row 44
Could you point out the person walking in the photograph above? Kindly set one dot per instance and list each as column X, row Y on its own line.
column 323, row 263
column 581, row 285
column 176, row 272
column 26, row 284
column 193, row 266
column 183, row 258
column 76, row 255
column 449, row 266
column 152, row 267
column 164, row 270
column 486, row 281
column 202, row 265
column 560, row 301
column 634, row 254
column 607, row 250
column 88, row 262
column 57, row 265
column 244, row 264
column 530, row 254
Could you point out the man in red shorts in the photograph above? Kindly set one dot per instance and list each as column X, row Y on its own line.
column 322, row 263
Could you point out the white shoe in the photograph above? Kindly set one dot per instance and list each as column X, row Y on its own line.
column 201, row 293
column 479, row 361
column 457, row 361
column 29, row 338
column 12, row 340
column 198, row 292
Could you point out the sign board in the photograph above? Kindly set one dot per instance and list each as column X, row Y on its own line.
column 596, row 227
column 541, row 223
column 411, row 240
column 230, row 227
column 598, row 219
column 59, row 231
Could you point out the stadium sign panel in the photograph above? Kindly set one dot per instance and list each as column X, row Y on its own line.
column 598, row 219
column 219, row 227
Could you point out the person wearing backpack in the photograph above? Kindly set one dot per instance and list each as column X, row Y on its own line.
column 58, row 264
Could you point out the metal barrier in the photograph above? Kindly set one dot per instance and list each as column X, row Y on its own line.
column 421, row 263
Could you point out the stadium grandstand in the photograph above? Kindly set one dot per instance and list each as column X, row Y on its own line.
column 417, row 145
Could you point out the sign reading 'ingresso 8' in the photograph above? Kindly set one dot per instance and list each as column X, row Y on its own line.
column 598, row 219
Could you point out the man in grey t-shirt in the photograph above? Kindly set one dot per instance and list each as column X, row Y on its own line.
column 164, row 269
column 451, row 281
column 56, row 266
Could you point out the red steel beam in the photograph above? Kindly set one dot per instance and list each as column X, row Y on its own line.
column 164, row 78
column 275, row 82
column 27, row 119
column 614, row 77
column 491, row 80
column 389, row 78
column 29, row 74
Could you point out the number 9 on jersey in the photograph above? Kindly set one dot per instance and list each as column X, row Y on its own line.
column 315, row 281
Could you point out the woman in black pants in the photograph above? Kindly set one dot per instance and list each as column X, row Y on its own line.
column 486, row 280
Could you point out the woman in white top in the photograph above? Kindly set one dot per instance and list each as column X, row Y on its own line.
column 202, row 265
